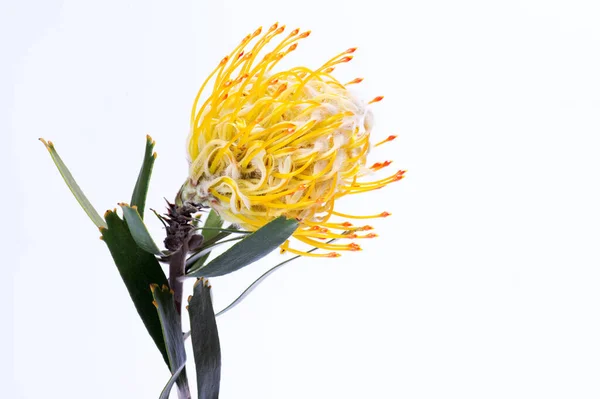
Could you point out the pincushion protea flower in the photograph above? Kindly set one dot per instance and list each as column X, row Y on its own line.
column 265, row 144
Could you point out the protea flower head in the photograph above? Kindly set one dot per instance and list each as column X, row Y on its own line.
column 293, row 142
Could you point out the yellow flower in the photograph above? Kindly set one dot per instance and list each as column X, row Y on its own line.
column 265, row 143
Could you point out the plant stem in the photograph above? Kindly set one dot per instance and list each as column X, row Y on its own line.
column 176, row 271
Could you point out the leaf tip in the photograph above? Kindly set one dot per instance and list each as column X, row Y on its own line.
column 203, row 281
column 48, row 144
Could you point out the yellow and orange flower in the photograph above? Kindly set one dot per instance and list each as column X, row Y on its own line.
column 266, row 143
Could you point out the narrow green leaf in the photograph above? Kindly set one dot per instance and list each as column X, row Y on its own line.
column 196, row 261
column 169, row 385
column 205, row 341
column 73, row 186
column 172, row 333
column 213, row 221
column 223, row 230
column 138, row 198
column 138, row 270
column 252, row 248
column 138, row 229
column 218, row 237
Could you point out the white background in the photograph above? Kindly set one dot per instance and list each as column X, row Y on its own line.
column 483, row 284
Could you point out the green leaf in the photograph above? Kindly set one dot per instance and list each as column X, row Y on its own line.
column 196, row 261
column 170, row 321
column 138, row 229
column 73, row 186
column 138, row 270
column 252, row 248
column 205, row 341
column 169, row 385
column 213, row 221
column 138, row 198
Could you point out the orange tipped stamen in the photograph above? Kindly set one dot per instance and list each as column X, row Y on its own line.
column 354, row 247
column 379, row 215
column 246, row 39
column 376, row 99
column 389, row 138
column 356, row 236
column 380, row 165
column 399, row 175
column 333, row 255
column 351, row 50
column 305, row 34
column 354, row 81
